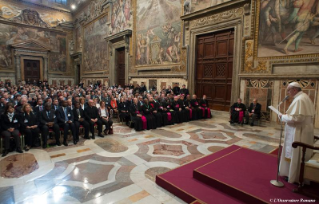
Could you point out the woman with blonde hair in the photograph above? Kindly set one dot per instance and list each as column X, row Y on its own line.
column 29, row 123
column 82, row 103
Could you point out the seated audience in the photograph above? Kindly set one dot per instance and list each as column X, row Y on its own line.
column 79, row 119
column 66, row 121
column 29, row 126
column 10, row 128
column 237, row 111
column 253, row 112
column 48, row 121
column 92, row 116
column 105, row 118
column 123, row 111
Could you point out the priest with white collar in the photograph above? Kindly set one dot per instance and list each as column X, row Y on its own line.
column 298, row 128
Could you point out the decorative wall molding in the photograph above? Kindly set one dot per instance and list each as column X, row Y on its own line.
column 219, row 17
column 213, row 9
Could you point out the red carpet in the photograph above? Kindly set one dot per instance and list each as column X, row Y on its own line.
column 275, row 152
column 181, row 183
column 232, row 175
column 246, row 174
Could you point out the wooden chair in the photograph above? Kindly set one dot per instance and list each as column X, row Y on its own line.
column 309, row 169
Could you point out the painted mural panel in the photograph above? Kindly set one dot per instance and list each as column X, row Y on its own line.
column 95, row 47
column 11, row 9
column 158, row 32
column 11, row 34
column 121, row 17
column 196, row 5
column 287, row 27
column 78, row 39
column 58, row 55
column 6, row 33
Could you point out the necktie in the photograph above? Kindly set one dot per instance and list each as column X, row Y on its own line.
column 40, row 108
column 79, row 113
column 66, row 115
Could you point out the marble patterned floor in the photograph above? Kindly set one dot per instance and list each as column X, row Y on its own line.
column 120, row 168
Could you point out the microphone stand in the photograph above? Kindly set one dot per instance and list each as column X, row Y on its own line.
column 276, row 182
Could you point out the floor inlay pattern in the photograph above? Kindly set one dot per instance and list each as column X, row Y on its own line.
column 121, row 168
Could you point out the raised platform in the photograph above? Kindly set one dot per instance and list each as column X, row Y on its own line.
column 181, row 183
column 232, row 175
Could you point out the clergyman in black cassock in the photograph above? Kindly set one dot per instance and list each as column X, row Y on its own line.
column 237, row 112
column 136, row 117
column 147, row 112
column 197, row 111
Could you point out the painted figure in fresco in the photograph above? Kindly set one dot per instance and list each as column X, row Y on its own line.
column 138, row 49
column 127, row 10
column 5, row 57
column 272, row 17
column 302, row 16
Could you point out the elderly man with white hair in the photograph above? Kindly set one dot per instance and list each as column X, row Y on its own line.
column 298, row 128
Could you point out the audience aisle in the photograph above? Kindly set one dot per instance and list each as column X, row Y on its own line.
column 121, row 168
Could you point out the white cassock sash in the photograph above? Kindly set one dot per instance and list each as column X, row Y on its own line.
column 289, row 139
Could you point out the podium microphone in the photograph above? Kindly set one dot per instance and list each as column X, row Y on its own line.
column 276, row 182
column 285, row 99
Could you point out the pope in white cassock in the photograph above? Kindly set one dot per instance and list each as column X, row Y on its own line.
column 299, row 127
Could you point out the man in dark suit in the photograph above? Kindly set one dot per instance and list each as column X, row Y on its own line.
column 184, row 90
column 55, row 104
column 253, row 112
column 48, row 121
column 39, row 106
column 92, row 116
column 176, row 89
column 79, row 120
column 142, row 88
column 66, row 121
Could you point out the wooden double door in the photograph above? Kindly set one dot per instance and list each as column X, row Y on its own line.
column 214, row 68
column 32, row 70
column 120, row 69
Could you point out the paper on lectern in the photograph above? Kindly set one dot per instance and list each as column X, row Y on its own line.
column 275, row 110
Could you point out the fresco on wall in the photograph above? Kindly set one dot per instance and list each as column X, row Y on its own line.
column 121, row 16
column 50, row 17
column 196, row 5
column 78, row 39
column 95, row 47
column 288, row 27
column 158, row 32
column 57, row 56
column 10, row 34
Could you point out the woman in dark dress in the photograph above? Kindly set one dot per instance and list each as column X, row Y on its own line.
column 29, row 127
column 10, row 128
column 147, row 112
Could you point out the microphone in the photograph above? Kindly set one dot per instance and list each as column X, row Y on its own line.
column 283, row 100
